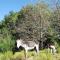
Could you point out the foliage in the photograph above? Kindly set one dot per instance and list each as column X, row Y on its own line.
column 33, row 22
column 6, row 42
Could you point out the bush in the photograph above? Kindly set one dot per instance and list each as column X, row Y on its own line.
column 6, row 41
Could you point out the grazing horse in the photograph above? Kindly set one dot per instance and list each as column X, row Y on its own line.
column 52, row 49
column 27, row 45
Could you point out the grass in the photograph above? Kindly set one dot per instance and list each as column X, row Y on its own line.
column 43, row 55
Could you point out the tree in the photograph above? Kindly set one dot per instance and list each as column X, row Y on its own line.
column 32, row 22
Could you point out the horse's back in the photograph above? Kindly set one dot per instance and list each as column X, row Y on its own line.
column 30, row 43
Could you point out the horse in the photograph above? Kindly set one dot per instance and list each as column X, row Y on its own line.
column 27, row 45
column 52, row 49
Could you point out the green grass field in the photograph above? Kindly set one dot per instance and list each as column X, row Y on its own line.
column 43, row 55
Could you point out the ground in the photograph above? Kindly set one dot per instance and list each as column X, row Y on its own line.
column 43, row 55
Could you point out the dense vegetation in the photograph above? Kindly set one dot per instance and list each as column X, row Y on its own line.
column 34, row 22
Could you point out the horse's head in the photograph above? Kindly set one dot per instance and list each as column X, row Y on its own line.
column 19, row 42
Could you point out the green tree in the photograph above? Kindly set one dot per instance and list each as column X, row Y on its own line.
column 33, row 22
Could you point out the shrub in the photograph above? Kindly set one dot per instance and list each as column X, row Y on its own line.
column 6, row 41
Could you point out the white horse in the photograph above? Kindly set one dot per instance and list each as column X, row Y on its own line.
column 27, row 45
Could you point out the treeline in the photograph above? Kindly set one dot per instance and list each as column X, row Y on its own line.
column 34, row 22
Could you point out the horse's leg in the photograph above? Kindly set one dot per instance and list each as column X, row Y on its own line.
column 51, row 51
column 54, row 50
column 37, row 49
column 25, row 52
column 48, row 49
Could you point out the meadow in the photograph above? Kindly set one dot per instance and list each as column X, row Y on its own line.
column 43, row 55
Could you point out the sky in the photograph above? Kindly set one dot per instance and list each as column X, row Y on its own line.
column 15, row 5
column 12, row 5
